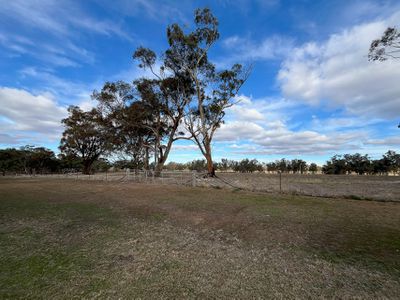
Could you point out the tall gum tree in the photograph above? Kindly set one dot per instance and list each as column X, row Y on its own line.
column 214, row 91
column 168, row 95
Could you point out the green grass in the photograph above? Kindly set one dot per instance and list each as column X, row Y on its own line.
column 45, row 246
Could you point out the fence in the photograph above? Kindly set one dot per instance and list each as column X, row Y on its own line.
column 349, row 186
column 128, row 175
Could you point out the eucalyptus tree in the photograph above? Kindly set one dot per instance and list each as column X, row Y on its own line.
column 86, row 135
column 184, row 91
column 214, row 90
column 313, row 168
column 127, row 118
column 392, row 161
column 298, row 165
column 167, row 95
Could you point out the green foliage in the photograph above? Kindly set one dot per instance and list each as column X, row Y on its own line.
column 313, row 168
column 127, row 164
column 130, row 121
column 29, row 160
column 86, row 135
column 362, row 164
column 197, row 165
column 248, row 166
column 11, row 160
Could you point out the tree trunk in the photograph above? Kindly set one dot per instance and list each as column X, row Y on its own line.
column 159, row 167
column 164, row 156
column 210, row 165
column 87, row 167
column 146, row 158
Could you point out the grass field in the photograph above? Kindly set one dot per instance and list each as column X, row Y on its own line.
column 63, row 239
column 373, row 187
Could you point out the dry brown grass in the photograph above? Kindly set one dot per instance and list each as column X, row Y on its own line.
column 366, row 187
column 102, row 239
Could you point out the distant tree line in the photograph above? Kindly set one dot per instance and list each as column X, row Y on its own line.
column 338, row 164
column 243, row 166
column 40, row 160
column 291, row 166
column 363, row 164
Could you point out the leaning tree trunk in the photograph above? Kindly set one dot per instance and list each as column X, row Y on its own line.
column 164, row 156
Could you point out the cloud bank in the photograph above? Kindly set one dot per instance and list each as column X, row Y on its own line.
column 336, row 73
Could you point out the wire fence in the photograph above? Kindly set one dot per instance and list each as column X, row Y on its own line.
column 127, row 175
column 386, row 188
column 368, row 187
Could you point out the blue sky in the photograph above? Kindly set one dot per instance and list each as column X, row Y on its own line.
column 312, row 92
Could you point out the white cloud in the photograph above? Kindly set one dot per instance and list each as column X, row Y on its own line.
column 185, row 147
column 238, row 130
column 268, row 131
column 337, row 73
column 244, row 113
column 343, row 123
column 70, row 91
column 276, row 138
column 390, row 140
column 25, row 117
column 260, row 110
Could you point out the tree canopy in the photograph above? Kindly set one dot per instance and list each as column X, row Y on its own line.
column 184, row 98
column 86, row 135
column 386, row 47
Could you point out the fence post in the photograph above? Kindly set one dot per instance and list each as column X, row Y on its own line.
column 145, row 176
column 280, row 181
column 193, row 179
